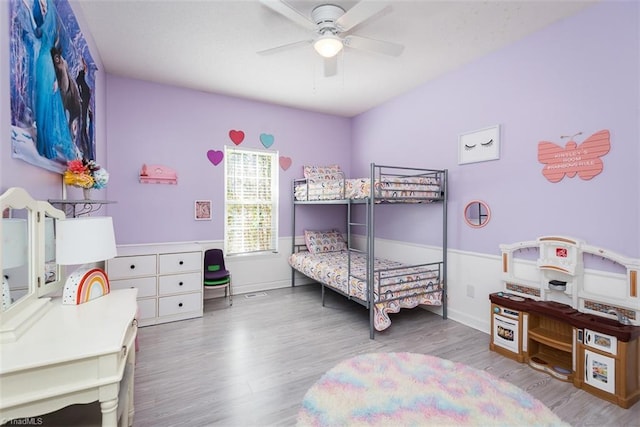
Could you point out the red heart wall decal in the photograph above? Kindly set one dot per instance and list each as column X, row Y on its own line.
column 285, row 162
column 237, row 136
column 215, row 157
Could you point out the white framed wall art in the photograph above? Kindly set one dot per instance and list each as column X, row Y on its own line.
column 479, row 145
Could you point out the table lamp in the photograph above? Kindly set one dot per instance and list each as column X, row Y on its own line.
column 82, row 241
column 14, row 252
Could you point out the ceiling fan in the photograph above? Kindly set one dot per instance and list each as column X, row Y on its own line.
column 331, row 26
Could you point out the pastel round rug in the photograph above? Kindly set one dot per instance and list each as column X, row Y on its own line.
column 399, row 389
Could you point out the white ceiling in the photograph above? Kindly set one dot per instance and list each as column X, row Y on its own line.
column 211, row 45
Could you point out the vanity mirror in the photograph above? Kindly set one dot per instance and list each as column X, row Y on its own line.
column 48, row 270
column 15, row 268
column 28, row 267
column 16, row 250
column 477, row 214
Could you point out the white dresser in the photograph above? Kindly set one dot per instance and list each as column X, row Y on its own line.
column 168, row 279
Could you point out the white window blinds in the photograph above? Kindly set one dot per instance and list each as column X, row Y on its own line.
column 251, row 200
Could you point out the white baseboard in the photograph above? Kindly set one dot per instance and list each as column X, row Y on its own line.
column 481, row 272
column 475, row 322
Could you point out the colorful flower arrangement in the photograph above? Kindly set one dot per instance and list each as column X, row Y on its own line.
column 86, row 174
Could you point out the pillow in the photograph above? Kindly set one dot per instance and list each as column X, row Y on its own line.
column 314, row 171
column 334, row 176
column 324, row 241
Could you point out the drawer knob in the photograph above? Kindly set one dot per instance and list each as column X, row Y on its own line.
column 180, row 284
column 181, row 262
column 180, row 304
column 132, row 266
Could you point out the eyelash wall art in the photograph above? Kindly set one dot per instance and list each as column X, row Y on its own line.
column 479, row 145
column 489, row 143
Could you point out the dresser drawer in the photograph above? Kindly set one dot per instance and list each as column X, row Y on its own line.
column 147, row 309
column 177, row 304
column 131, row 266
column 146, row 285
column 179, row 262
column 179, row 283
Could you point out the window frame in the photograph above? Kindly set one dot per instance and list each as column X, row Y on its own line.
column 229, row 152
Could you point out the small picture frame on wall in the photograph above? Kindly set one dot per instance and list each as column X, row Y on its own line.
column 202, row 210
column 479, row 145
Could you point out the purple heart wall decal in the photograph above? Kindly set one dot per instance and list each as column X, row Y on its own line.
column 215, row 156
column 266, row 140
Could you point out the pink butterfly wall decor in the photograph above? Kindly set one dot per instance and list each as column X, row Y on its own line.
column 582, row 159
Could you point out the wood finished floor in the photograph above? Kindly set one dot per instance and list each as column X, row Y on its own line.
column 251, row 364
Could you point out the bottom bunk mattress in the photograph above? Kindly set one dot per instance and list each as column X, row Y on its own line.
column 396, row 285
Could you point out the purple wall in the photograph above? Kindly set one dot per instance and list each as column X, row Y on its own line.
column 579, row 75
column 159, row 124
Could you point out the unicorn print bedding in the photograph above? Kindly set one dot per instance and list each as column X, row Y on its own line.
column 396, row 285
column 334, row 186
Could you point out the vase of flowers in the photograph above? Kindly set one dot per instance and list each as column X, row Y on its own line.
column 86, row 174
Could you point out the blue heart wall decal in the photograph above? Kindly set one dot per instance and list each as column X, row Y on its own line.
column 266, row 140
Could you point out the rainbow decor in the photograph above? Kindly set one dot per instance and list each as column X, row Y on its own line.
column 85, row 284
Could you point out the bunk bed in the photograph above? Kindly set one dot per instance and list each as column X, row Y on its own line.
column 382, row 286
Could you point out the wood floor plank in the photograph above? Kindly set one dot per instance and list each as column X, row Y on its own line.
column 250, row 364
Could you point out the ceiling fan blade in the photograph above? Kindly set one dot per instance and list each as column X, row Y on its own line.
column 289, row 12
column 361, row 12
column 287, row 46
column 331, row 66
column 372, row 45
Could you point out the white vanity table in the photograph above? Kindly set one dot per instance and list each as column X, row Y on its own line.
column 73, row 354
column 54, row 355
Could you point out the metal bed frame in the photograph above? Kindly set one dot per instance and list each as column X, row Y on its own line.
column 382, row 174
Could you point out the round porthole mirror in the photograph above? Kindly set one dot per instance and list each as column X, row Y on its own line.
column 477, row 214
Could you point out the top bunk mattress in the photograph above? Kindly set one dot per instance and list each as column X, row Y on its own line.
column 389, row 189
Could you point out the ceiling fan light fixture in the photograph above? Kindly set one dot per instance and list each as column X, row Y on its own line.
column 328, row 46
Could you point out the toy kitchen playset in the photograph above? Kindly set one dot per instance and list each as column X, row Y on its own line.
column 580, row 325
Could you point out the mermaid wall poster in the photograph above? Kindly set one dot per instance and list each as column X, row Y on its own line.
column 52, row 85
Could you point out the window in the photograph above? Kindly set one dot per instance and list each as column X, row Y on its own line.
column 251, row 200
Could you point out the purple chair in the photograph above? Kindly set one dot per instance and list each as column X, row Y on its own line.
column 216, row 276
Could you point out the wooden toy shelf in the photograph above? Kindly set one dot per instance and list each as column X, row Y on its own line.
column 555, row 338
column 550, row 346
column 580, row 325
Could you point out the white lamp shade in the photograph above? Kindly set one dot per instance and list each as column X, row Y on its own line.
column 85, row 240
column 328, row 46
column 14, row 242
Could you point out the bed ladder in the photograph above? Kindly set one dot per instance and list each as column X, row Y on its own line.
column 351, row 249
